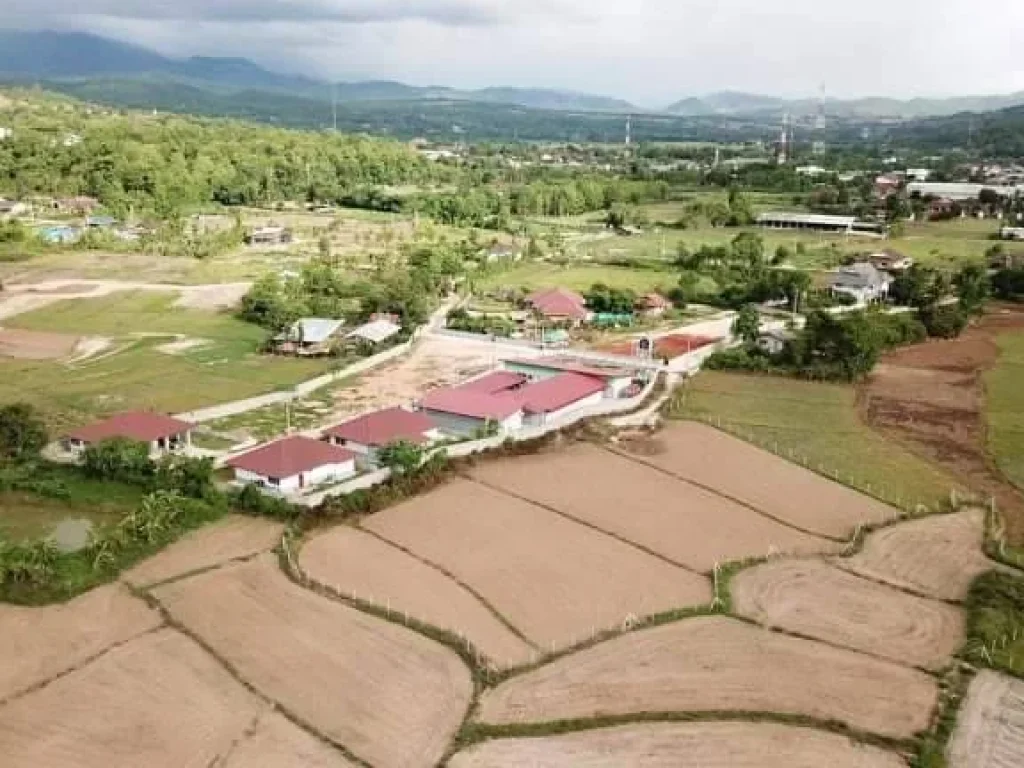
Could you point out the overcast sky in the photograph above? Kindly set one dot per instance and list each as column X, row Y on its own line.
column 649, row 51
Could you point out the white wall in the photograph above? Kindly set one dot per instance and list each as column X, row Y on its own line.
column 540, row 419
column 615, row 387
column 320, row 475
column 467, row 426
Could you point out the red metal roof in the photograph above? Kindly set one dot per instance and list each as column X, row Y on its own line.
column 384, row 427
column 495, row 382
column 134, row 425
column 558, row 302
column 475, row 405
column 290, row 456
column 559, row 392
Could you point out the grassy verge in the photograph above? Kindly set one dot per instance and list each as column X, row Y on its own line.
column 536, row 275
column 995, row 622
column 817, row 425
column 1005, row 408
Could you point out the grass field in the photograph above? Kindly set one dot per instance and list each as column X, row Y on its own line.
column 1005, row 407
column 818, row 423
column 135, row 373
column 532, row 276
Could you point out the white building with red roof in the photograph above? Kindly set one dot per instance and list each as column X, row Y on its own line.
column 367, row 434
column 550, row 400
column 559, row 305
column 293, row 464
column 163, row 434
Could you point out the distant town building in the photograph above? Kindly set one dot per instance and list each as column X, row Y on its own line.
column 1011, row 233
column 773, row 342
column 559, row 305
column 862, row 281
column 5, row 133
column 12, row 208
column 889, row 260
column 310, row 336
column 919, row 174
column 81, row 205
column 959, row 191
column 811, row 170
column 269, row 235
column 375, row 332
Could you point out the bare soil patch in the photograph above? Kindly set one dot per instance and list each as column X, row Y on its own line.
column 182, row 345
column 557, row 581
column 817, row 600
column 931, row 396
column 212, row 297
column 389, row 695
column 990, row 726
column 681, row 745
column 278, row 743
column 37, row 644
column 673, row 518
column 35, row 345
column 936, row 556
column 360, row 565
column 230, row 539
column 159, row 702
column 719, row 664
column 788, row 492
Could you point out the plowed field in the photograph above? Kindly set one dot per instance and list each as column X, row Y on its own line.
column 717, row 664
column 278, row 743
column 990, row 727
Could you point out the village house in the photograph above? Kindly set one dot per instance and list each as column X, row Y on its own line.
column 773, row 342
column 269, row 235
column 81, row 205
column 618, row 380
column 375, row 332
column 1011, row 233
column 500, row 252
column 310, row 336
column 463, row 412
column 559, row 305
column 559, row 397
column 163, row 434
column 653, row 305
column 59, row 235
column 862, row 281
column 292, row 465
column 10, row 209
column 100, row 222
column 889, row 260
column 367, row 434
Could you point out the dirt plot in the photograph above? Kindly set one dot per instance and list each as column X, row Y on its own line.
column 159, row 702
column 936, row 556
column 681, row 745
column 360, row 565
column 226, row 540
column 668, row 516
column 278, row 743
column 553, row 579
column 990, row 727
column 35, row 345
column 719, row 664
column 389, row 695
column 814, row 599
column 773, row 485
column 37, row 644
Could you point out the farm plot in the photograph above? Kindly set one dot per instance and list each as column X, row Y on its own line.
column 557, row 581
column 716, row 664
column 159, row 702
column 816, row 600
column 990, row 727
column 277, row 743
column 389, row 695
column 230, row 539
column 35, row 345
column 681, row 745
column 37, row 644
column 790, row 493
column 358, row 564
column 936, row 557
column 671, row 517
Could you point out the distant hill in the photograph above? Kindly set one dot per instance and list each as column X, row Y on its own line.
column 49, row 56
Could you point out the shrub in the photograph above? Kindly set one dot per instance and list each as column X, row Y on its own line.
column 944, row 322
column 22, row 432
column 119, row 459
column 252, row 501
column 191, row 477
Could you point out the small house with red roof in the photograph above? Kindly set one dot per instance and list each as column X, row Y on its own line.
column 559, row 305
column 366, row 435
column 653, row 305
column 559, row 397
column 163, row 434
column 293, row 464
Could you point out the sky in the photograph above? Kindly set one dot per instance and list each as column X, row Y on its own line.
column 651, row 52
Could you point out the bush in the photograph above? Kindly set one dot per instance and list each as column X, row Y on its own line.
column 252, row 501
column 191, row 477
column 739, row 359
column 27, row 478
column 22, row 432
column 944, row 322
column 119, row 459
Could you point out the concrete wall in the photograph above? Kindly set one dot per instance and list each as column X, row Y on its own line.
column 295, row 483
column 541, row 419
column 467, row 426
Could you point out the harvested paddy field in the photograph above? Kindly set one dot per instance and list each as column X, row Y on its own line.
column 679, row 521
column 814, row 599
column 681, row 745
column 716, row 664
column 772, row 485
column 37, row 644
column 392, row 697
column 230, row 539
column 935, row 556
column 278, row 743
column 158, row 702
column 555, row 580
column 358, row 564
column 35, row 345
column 990, row 727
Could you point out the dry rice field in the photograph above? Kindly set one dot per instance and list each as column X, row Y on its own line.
column 159, row 702
column 990, row 728
column 816, row 600
column 557, row 581
column 681, row 745
column 770, row 484
column 679, row 521
column 390, row 696
column 362, row 566
column 718, row 664
column 230, row 539
column 35, row 345
column 37, row 644
column 277, row 743
column 936, row 556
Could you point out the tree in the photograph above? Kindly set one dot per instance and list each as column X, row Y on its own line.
column 747, row 325
column 972, row 288
column 118, row 459
column 22, row 432
column 189, row 476
column 401, row 457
